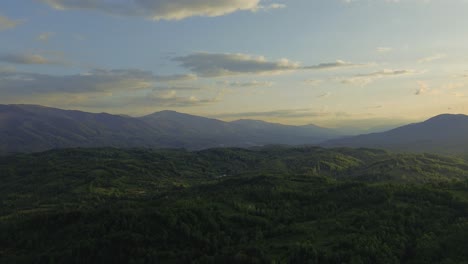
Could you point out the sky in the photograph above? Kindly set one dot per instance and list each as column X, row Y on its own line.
column 334, row 63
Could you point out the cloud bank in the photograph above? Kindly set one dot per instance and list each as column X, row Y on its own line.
column 22, row 83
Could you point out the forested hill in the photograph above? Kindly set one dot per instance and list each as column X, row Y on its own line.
column 265, row 205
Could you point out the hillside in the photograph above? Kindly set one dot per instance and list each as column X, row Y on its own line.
column 272, row 204
column 28, row 128
column 441, row 134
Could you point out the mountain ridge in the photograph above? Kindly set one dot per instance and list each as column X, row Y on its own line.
column 444, row 133
column 32, row 128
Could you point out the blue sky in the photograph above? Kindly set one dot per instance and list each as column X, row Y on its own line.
column 334, row 63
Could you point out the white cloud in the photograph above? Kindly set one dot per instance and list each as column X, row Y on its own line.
column 7, row 23
column 164, row 9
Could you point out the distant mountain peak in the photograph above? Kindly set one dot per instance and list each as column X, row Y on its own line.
column 448, row 117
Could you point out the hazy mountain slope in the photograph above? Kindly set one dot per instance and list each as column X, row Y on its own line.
column 195, row 131
column 444, row 134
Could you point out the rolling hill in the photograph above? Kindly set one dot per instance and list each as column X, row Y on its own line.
column 232, row 205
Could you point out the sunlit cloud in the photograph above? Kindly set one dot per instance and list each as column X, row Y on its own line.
column 8, row 23
column 165, row 9
column 226, row 64
column 432, row 58
column 248, row 84
column 30, row 59
column 384, row 49
column 364, row 79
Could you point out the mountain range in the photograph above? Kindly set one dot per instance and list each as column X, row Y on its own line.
column 33, row 128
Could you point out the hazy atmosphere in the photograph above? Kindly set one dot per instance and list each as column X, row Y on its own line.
column 333, row 63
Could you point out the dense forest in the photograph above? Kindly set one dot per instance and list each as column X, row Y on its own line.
column 266, row 205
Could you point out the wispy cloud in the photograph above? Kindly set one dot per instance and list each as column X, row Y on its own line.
column 364, row 79
column 324, row 95
column 8, row 23
column 384, row 49
column 175, row 78
column 45, row 36
column 432, row 58
column 226, row 64
column 248, row 84
column 312, row 82
column 165, row 9
column 18, row 58
column 423, row 88
column 332, row 65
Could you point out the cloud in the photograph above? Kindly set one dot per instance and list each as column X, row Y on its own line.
column 384, row 49
column 313, row 82
column 324, row 95
column 97, row 81
column 28, row 59
column 45, row 36
column 247, row 84
column 227, row 64
column 364, row 79
column 7, row 23
column 432, row 58
column 164, row 9
column 423, row 88
column 332, row 65
column 175, row 78
column 135, row 103
column 7, row 69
